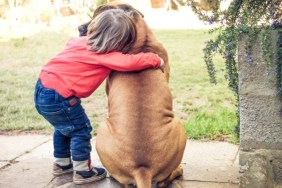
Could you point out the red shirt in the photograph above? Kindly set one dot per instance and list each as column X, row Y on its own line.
column 77, row 71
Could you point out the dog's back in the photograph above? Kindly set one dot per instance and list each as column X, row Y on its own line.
column 141, row 141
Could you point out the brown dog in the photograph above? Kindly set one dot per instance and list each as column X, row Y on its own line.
column 141, row 141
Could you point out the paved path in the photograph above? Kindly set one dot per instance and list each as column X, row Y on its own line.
column 26, row 162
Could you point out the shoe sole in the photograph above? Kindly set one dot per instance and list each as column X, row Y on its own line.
column 89, row 180
column 63, row 173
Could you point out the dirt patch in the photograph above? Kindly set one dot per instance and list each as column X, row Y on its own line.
column 220, row 138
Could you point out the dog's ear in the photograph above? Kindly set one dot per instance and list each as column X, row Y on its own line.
column 102, row 8
column 134, row 13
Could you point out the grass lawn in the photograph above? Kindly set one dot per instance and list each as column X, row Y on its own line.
column 207, row 111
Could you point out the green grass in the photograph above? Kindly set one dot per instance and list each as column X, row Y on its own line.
column 212, row 125
column 20, row 63
column 207, row 111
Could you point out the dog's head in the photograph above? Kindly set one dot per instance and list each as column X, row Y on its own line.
column 145, row 41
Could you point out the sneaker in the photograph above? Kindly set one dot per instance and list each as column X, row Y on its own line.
column 59, row 170
column 95, row 174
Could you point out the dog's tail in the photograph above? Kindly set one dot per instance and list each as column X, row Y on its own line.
column 143, row 178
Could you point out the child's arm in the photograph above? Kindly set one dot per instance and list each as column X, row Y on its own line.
column 130, row 62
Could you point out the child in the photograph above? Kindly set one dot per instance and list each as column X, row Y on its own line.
column 75, row 73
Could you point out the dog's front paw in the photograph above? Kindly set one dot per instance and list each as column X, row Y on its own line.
column 169, row 181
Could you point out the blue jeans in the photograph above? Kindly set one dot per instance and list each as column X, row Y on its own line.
column 72, row 129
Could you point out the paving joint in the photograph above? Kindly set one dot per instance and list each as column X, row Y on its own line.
column 201, row 181
column 14, row 160
column 50, row 182
column 30, row 150
column 233, row 161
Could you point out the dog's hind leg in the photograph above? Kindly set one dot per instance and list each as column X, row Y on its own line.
column 176, row 173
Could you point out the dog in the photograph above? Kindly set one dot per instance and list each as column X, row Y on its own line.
column 141, row 141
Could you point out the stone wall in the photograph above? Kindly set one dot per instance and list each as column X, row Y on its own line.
column 260, row 123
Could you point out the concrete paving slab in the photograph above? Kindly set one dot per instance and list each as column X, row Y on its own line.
column 31, row 170
column 44, row 151
column 106, row 183
column 110, row 183
column 206, row 164
column 221, row 158
column 14, row 146
column 236, row 162
column 33, row 173
column 210, row 161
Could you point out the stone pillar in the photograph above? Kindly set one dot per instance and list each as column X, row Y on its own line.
column 260, row 123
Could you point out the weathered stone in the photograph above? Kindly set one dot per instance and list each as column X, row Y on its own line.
column 260, row 168
column 260, row 122
column 254, row 168
column 277, row 170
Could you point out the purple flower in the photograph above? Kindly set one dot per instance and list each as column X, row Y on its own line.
column 214, row 47
column 234, row 90
column 276, row 24
column 211, row 20
column 280, row 113
column 248, row 58
column 236, row 129
column 228, row 55
column 278, row 91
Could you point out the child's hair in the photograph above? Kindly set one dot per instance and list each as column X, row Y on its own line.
column 111, row 30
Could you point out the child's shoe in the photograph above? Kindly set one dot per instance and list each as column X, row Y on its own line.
column 59, row 170
column 94, row 174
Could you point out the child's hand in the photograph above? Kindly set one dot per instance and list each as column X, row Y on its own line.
column 162, row 64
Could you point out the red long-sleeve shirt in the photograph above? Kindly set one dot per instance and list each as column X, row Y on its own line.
column 77, row 71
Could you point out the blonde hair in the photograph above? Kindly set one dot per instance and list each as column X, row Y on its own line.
column 111, row 30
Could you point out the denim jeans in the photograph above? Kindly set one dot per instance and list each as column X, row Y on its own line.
column 72, row 129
